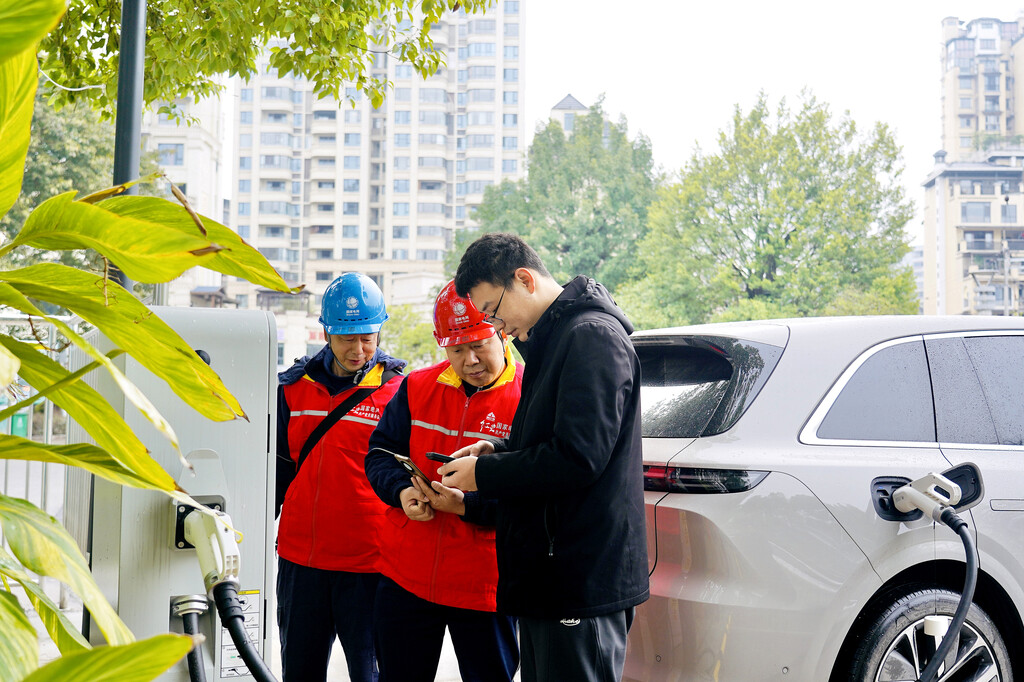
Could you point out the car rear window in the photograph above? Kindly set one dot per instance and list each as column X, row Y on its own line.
column 695, row 386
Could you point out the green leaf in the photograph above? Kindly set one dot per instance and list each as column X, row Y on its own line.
column 19, row 652
column 18, row 82
column 89, row 457
column 24, row 23
column 63, row 633
column 87, row 407
column 238, row 259
column 62, row 224
column 8, row 367
column 129, row 325
column 138, row 662
column 43, row 546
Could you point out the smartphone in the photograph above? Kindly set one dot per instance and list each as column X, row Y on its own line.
column 438, row 457
column 411, row 467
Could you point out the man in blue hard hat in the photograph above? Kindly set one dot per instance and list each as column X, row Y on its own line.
column 327, row 539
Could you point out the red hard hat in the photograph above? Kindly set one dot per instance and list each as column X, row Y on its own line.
column 456, row 319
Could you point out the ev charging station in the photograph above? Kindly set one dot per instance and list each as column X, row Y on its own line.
column 144, row 568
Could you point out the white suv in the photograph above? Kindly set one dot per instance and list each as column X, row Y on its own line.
column 768, row 560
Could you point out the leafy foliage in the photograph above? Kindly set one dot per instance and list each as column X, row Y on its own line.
column 795, row 214
column 407, row 335
column 583, row 205
column 188, row 44
column 153, row 241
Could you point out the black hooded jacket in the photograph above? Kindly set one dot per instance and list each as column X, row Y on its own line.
column 569, row 479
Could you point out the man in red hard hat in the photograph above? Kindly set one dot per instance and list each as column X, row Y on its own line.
column 437, row 547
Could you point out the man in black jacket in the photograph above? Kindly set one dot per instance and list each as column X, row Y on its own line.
column 572, row 550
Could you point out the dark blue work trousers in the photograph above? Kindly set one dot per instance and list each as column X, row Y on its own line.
column 314, row 606
column 409, row 634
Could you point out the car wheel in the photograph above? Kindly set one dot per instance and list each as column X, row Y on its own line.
column 894, row 645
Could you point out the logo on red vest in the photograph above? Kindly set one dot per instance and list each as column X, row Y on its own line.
column 365, row 411
column 490, row 424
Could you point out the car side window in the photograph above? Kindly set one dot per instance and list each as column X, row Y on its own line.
column 999, row 363
column 889, row 398
column 961, row 410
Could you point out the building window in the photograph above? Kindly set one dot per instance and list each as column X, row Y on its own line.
column 245, row 162
column 992, row 82
column 246, row 94
column 402, row 163
column 429, row 231
column 325, row 208
column 966, row 122
column 511, row 75
column 976, row 212
column 432, row 138
column 350, row 208
column 350, row 254
column 988, row 187
column 1008, row 213
column 992, row 123
column 243, row 231
column 325, row 184
column 481, row 95
column 272, row 231
column 988, row 43
column 245, row 118
column 321, row 229
column 274, row 185
column 326, row 162
column 966, row 141
column 353, row 116
column 511, row 6
column 966, row 102
column 351, row 162
column 171, row 154
column 403, row 71
column 511, row 29
column 511, row 97
column 279, row 208
column 324, row 276
column 403, row 117
column 460, row 212
column 400, row 232
column 510, row 120
column 966, row 187
column 326, row 139
column 433, row 95
column 350, row 231
column 403, row 139
column 509, row 165
column 350, row 185
column 430, row 207
column 245, row 185
column 480, row 72
column 429, row 254
column 403, row 94
column 401, row 208
column 351, row 139
column 400, row 254
column 401, row 186
column 509, row 142
column 966, row 82
column 511, row 52
column 324, row 115
column 244, row 208
column 433, row 118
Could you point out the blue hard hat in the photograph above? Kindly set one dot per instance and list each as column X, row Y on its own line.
column 353, row 304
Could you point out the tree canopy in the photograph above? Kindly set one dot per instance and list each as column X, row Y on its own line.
column 796, row 213
column 583, row 205
column 331, row 43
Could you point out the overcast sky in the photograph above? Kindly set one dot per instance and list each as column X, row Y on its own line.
column 676, row 69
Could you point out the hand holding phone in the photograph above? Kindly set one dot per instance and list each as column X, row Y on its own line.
column 411, row 467
column 438, row 457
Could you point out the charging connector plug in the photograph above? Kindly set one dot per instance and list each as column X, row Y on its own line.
column 216, row 547
column 931, row 494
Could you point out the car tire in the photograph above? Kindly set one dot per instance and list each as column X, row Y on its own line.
column 893, row 646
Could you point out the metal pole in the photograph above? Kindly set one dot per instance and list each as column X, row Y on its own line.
column 1006, row 276
column 128, row 124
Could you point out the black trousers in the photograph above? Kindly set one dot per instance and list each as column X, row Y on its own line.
column 409, row 634
column 313, row 607
column 575, row 649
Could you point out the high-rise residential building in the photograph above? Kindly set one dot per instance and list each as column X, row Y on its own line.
column 973, row 256
column 192, row 156
column 324, row 186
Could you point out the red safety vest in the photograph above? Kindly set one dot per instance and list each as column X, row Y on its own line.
column 331, row 518
column 447, row 560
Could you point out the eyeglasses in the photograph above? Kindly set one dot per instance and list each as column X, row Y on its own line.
column 493, row 318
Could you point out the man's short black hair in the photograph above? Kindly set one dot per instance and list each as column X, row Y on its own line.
column 494, row 258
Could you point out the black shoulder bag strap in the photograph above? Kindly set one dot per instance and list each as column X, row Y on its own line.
column 358, row 396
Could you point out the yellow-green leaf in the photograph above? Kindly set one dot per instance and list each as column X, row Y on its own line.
column 89, row 457
column 19, row 652
column 129, row 325
column 17, row 93
column 8, row 367
column 92, row 412
column 238, row 259
column 138, row 662
column 13, row 298
column 145, row 250
column 23, row 24
column 43, row 546
column 61, row 630
column 99, row 196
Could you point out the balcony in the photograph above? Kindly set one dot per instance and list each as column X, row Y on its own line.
column 978, row 246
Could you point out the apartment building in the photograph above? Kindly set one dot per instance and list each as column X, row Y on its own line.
column 324, row 186
column 973, row 222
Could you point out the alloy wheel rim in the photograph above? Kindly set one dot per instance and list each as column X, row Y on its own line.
column 970, row 659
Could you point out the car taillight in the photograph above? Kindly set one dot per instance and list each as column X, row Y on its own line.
column 673, row 479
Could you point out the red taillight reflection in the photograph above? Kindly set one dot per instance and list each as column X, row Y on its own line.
column 672, row 479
